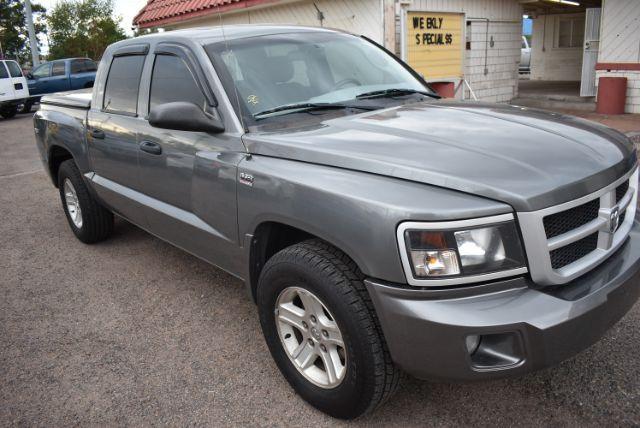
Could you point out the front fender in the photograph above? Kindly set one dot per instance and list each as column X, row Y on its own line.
column 355, row 211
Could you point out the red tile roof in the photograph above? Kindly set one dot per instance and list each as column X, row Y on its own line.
column 163, row 12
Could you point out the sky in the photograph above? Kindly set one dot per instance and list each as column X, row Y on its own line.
column 127, row 9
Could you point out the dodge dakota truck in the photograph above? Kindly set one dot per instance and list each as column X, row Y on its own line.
column 379, row 229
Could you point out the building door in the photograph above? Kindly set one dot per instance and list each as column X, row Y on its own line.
column 590, row 55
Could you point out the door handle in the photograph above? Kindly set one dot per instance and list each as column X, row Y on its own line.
column 97, row 133
column 151, row 147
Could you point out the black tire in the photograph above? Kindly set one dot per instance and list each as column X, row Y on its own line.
column 371, row 377
column 26, row 107
column 8, row 112
column 97, row 221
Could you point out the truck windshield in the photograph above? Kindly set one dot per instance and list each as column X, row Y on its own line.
column 263, row 74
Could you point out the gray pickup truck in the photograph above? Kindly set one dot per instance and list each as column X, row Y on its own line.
column 379, row 229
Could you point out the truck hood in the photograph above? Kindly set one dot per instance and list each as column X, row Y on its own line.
column 527, row 158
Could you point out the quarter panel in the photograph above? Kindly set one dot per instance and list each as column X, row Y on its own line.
column 355, row 211
column 64, row 127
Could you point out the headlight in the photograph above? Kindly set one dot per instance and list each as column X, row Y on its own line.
column 458, row 252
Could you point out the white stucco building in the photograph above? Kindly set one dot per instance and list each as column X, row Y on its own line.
column 482, row 52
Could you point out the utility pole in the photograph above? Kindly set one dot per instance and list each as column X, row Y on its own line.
column 35, row 55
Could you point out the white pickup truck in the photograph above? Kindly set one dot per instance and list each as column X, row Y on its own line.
column 13, row 88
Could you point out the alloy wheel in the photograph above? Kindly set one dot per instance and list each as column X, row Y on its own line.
column 73, row 204
column 311, row 337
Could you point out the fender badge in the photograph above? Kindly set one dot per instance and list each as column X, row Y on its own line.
column 246, row 179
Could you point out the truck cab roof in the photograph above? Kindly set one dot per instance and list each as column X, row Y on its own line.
column 206, row 35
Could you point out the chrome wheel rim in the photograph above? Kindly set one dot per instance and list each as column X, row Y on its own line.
column 311, row 337
column 73, row 204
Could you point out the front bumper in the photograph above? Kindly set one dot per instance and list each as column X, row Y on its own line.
column 531, row 327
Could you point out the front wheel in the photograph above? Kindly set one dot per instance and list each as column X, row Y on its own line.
column 322, row 330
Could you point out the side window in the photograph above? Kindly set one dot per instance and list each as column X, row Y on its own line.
column 14, row 69
column 77, row 66
column 123, row 83
column 42, row 71
column 172, row 81
column 57, row 69
column 3, row 71
column 569, row 33
column 90, row 65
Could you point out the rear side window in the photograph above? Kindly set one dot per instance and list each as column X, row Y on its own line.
column 3, row 71
column 57, row 69
column 172, row 81
column 123, row 82
column 82, row 66
column 14, row 69
column 90, row 65
column 77, row 66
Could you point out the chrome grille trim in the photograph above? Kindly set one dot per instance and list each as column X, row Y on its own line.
column 538, row 247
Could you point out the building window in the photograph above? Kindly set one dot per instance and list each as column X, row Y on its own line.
column 569, row 32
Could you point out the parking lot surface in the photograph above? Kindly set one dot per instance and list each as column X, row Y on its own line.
column 133, row 331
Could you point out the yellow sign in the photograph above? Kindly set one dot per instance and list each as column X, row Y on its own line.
column 434, row 45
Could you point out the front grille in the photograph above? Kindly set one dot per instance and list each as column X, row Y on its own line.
column 566, row 241
column 565, row 221
column 622, row 215
column 621, row 190
column 568, row 254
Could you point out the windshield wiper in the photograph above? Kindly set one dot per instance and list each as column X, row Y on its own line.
column 313, row 106
column 394, row 92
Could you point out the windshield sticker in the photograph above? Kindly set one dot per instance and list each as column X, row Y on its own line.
column 253, row 99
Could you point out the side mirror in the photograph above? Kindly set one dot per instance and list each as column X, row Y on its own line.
column 183, row 116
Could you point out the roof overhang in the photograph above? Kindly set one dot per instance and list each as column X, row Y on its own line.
column 552, row 7
column 159, row 13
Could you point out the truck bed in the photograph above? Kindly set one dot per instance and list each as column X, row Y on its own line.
column 80, row 99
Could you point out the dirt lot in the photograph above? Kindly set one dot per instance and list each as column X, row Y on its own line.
column 135, row 332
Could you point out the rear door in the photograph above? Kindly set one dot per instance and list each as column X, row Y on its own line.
column 113, row 121
column 59, row 79
column 6, row 87
column 21, row 91
column 82, row 74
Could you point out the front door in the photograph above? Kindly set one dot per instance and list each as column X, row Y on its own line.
column 112, row 139
column 39, row 78
column 590, row 55
column 190, row 177
column 7, row 92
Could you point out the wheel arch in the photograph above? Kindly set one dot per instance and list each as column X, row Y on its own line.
column 271, row 236
column 57, row 154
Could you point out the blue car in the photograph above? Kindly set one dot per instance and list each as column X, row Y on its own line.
column 58, row 76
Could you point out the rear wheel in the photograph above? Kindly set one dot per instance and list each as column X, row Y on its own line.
column 8, row 112
column 89, row 220
column 322, row 330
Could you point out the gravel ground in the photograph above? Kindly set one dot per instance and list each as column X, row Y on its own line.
column 135, row 332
